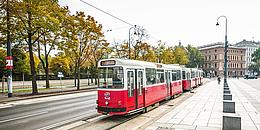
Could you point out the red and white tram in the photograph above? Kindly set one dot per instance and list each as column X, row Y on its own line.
column 186, row 79
column 127, row 86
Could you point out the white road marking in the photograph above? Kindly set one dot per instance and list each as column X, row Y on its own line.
column 21, row 117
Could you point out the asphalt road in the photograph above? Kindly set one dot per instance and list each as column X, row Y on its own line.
column 250, row 89
column 46, row 113
column 255, row 83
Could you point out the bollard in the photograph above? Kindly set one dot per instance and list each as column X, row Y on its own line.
column 225, row 88
column 225, row 85
column 227, row 96
column 231, row 122
column 228, row 106
column 226, row 92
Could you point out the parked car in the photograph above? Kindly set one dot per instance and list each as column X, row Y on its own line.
column 250, row 77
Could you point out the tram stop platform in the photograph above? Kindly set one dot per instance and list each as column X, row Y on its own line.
column 202, row 110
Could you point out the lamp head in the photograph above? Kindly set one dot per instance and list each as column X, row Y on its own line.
column 217, row 24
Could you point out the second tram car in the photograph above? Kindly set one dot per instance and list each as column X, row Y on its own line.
column 186, row 79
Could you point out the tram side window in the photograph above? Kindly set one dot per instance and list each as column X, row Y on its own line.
column 192, row 74
column 188, row 76
column 160, row 76
column 150, row 76
column 140, row 82
column 174, row 75
column 183, row 75
column 178, row 74
column 130, row 83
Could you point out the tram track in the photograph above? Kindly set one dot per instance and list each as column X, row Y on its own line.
column 102, row 122
column 106, row 122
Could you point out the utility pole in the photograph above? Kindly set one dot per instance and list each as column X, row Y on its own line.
column 9, row 58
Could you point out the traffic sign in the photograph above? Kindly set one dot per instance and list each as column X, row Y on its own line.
column 9, row 62
column 60, row 75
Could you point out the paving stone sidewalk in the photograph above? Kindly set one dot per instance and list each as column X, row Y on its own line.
column 203, row 111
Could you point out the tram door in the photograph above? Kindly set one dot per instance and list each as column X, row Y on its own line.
column 168, row 81
column 135, row 89
column 139, row 88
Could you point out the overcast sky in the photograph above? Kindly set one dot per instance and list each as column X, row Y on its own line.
column 189, row 21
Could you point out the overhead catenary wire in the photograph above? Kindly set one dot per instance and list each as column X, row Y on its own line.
column 107, row 13
column 112, row 16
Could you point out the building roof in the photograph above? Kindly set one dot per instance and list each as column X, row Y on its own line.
column 217, row 45
column 246, row 43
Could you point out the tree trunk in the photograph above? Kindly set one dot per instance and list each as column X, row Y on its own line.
column 47, row 66
column 92, row 78
column 32, row 64
column 75, row 76
column 47, row 73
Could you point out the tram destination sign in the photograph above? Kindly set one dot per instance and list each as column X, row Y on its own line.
column 107, row 62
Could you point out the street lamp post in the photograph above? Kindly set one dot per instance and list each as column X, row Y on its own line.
column 130, row 41
column 225, row 52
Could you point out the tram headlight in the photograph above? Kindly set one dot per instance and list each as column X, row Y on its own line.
column 106, row 102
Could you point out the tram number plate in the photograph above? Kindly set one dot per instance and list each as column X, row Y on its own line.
column 108, row 62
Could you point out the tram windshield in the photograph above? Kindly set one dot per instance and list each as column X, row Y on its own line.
column 111, row 77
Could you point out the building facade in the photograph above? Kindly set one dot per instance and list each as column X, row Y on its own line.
column 214, row 60
column 250, row 47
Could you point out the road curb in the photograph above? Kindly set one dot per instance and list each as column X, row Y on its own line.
column 47, row 94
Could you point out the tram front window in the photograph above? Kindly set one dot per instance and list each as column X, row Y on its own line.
column 111, row 77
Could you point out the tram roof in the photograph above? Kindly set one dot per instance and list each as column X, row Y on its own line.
column 137, row 63
column 127, row 62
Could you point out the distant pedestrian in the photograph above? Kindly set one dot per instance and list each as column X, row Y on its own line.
column 218, row 79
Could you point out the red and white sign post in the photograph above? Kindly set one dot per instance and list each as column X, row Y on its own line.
column 9, row 66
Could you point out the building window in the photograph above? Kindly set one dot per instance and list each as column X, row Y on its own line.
column 241, row 65
column 215, row 57
column 215, row 50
